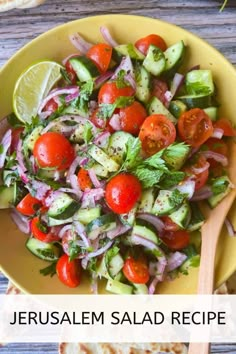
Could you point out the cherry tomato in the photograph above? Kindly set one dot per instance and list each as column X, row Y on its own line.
column 100, row 122
column 156, row 133
column 51, row 106
column 132, row 117
column 144, row 43
column 159, row 89
column 218, row 146
column 109, row 92
column 28, row 205
column 53, row 150
column 136, row 271
column 100, row 54
column 69, row 272
column 71, row 72
column 202, row 177
column 41, row 232
column 195, row 127
column 122, row 192
column 176, row 240
column 84, row 179
column 226, row 126
column 15, row 138
column 169, row 225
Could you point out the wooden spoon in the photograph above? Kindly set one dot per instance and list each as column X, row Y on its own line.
column 210, row 234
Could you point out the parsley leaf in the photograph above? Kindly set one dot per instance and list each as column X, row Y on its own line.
column 65, row 76
column 171, row 179
column 92, row 264
column 156, row 161
column 49, row 270
column 175, row 155
column 124, row 101
column 112, row 252
column 106, row 110
column 87, row 133
column 132, row 157
column 73, row 249
column 148, row 177
column 86, row 91
column 120, row 79
column 177, row 198
column 197, row 88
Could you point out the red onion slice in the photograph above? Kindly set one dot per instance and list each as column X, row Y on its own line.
column 152, row 219
column 215, row 156
column 51, row 197
column 201, row 194
column 230, row 228
column 94, row 178
column 103, row 78
column 5, row 143
column 130, row 79
column 139, row 240
column 21, row 166
column 82, row 234
column 107, row 36
column 21, row 221
column 80, row 43
column 102, row 139
column 175, row 260
column 100, row 250
column 177, row 82
column 92, row 195
column 119, row 230
column 186, row 187
column 72, row 90
column 217, row 133
column 198, row 170
column 38, row 189
column 152, row 286
column 195, row 67
column 126, row 65
column 75, row 185
column 73, row 168
column 64, row 230
column 65, row 60
column 115, row 122
column 168, row 96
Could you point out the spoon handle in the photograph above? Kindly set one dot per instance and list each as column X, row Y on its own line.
column 199, row 348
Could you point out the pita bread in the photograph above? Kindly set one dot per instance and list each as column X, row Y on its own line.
column 6, row 5
column 118, row 348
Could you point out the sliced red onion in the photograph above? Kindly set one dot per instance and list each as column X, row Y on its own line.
column 72, row 96
column 139, row 240
column 100, row 250
column 130, row 79
column 102, row 139
column 107, row 36
column 103, row 78
column 94, row 284
column 80, row 43
column 152, row 286
column 73, row 168
column 64, row 229
column 177, row 82
column 93, row 105
column 119, row 230
column 65, row 60
column 193, row 151
column 84, row 262
column 215, row 156
column 198, row 170
column 82, row 234
column 161, row 268
column 175, row 260
column 72, row 90
column 94, row 178
column 77, row 193
column 75, row 185
column 92, row 195
column 21, row 221
column 168, row 96
column 21, row 166
column 126, row 65
column 38, row 189
column 152, row 219
column 115, row 122
column 203, row 193
column 51, row 197
column 66, row 238
column 5, row 143
column 186, row 187
column 33, row 164
column 217, row 133
column 230, row 228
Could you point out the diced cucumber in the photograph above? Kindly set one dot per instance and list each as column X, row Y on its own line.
column 78, row 134
column 176, row 156
column 85, row 216
column 117, row 145
column 115, row 265
column 57, row 222
column 145, row 232
column 101, row 157
column 102, row 224
column 116, row 287
column 6, row 196
column 163, row 205
column 196, row 101
column 129, row 218
column 147, row 201
column 174, row 56
column 9, row 177
column 199, row 82
column 181, row 216
column 177, row 108
column 43, row 250
column 143, row 83
column 155, row 106
column 71, row 109
column 140, row 289
column 197, row 219
column 155, row 61
column 193, row 259
column 44, row 173
column 212, row 112
column 63, row 207
column 221, row 184
column 84, row 67
column 30, row 140
column 130, row 50
column 100, row 170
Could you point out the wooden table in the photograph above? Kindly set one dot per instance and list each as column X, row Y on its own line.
column 201, row 17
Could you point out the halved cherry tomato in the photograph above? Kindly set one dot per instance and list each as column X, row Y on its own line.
column 28, row 205
column 15, row 133
column 109, row 92
column 84, row 179
column 143, row 43
column 169, row 225
column 200, row 178
column 176, row 240
column 71, row 72
column 226, row 126
column 51, row 106
column 136, row 270
column 122, row 192
column 100, row 54
column 44, row 236
column 195, row 127
column 156, row 133
column 100, row 122
column 218, row 146
column 132, row 117
column 159, row 88
column 53, row 150
column 69, row 272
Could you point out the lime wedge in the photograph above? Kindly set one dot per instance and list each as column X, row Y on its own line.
column 32, row 87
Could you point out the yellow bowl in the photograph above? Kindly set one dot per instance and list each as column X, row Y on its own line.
column 15, row 260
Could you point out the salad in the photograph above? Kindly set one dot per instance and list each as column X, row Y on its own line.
column 106, row 176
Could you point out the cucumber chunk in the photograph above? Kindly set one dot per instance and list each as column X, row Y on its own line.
column 57, row 222
column 102, row 224
column 85, row 216
column 43, row 250
column 63, row 207
column 116, row 287
column 117, row 145
column 177, row 108
column 84, row 67
column 220, row 187
column 174, row 56
column 30, row 140
column 101, row 157
column 6, row 196
column 147, row 201
column 212, row 112
column 145, row 232
column 140, row 289
column 130, row 50
column 143, row 81
column 155, row 106
column 163, row 205
column 155, row 61
column 197, row 219
column 181, row 216
column 199, row 82
column 196, row 101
